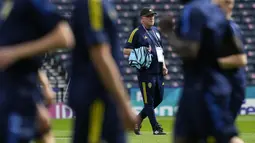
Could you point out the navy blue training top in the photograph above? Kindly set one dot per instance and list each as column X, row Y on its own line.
column 94, row 23
column 206, row 24
column 147, row 37
column 22, row 21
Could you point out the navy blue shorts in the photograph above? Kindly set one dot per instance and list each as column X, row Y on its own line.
column 98, row 122
column 203, row 114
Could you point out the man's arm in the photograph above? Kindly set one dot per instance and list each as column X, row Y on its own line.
column 60, row 37
column 109, row 73
column 43, row 79
column 185, row 48
column 231, row 54
column 233, row 61
column 130, row 44
column 187, row 42
column 56, row 33
column 48, row 93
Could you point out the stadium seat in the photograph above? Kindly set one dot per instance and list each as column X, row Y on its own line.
column 128, row 10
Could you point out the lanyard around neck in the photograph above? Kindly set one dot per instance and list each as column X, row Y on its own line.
column 153, row 37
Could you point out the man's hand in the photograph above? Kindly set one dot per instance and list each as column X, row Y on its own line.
column 128, row 117
column 49, row 95
column 236, row 140
column 6, row 57
column 184, row 48
column 47, row 91
column 149, row 48
column 43, row 117
column 166, row 25
column 165, row 71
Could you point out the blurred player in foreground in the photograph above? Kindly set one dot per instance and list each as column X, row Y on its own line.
column 27, row 28
column 97, row 93
column 236, row 76
column 201, row 38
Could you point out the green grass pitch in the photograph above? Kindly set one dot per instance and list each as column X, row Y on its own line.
column 246, row 124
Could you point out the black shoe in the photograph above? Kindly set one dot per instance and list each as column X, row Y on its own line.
column 137, row 129
column 158, row 130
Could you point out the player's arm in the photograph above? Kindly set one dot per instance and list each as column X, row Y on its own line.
column 130, row 44
column 185, row 48
column 48, row 93
column 233, row 61
column 60, row 37
column 109, row 72
column 187, row 42
column 232, row 54
column 43, row 79
column 57, row 32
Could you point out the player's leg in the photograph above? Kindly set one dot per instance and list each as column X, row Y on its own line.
column 119, row 137
column 113, row 129
column 143, row 83
column 159, row 95
column 88, row 124
column 80, row 127
column 236, row 101
column 158, row 98
column 159, row 91
column 189, row 122
column 142, row 115
column 148, row 93
column 222, row 122
column 181, row 126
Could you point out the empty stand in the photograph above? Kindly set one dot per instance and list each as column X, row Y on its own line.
column 128, row 14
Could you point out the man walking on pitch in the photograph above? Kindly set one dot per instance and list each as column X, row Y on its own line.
column 151, row 80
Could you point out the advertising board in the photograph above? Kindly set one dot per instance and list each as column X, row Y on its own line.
column 168, row 107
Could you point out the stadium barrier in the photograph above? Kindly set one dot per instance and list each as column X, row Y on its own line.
column 167, row 108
